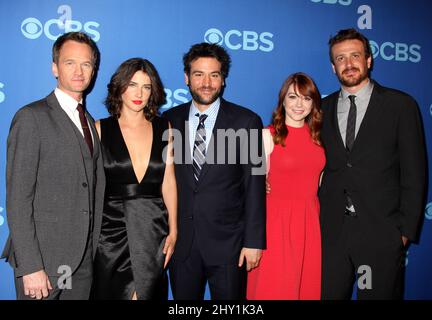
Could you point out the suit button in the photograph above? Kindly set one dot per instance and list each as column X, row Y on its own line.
column 84, row 184
column 190, row 217
column 85, row 212
column 349, row 165
column 195, row 191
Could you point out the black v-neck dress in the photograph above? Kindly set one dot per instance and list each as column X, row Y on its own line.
column 129, row 255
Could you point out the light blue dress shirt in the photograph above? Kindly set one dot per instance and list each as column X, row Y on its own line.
column 209, row 123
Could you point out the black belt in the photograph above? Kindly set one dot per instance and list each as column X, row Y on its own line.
column 147, row 190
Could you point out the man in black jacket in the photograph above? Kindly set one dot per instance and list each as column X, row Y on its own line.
column 221, row 200
column 373, row 186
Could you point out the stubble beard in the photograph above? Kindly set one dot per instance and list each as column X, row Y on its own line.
column 203, row 101
column 353, row 81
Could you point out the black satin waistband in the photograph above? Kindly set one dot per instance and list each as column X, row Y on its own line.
column 147, row 190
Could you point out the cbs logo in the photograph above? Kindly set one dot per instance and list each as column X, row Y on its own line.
column 2, row 95
column 396, row 51
column 174, row 98
column 32, row 28
column 341, row 2
column 2, row 220
column 245, row 40
column 428, row 211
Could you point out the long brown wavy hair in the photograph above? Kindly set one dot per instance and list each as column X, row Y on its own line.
column 304, row 85
column 120, row 81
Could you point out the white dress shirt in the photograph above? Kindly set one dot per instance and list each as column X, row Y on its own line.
column 69, row 105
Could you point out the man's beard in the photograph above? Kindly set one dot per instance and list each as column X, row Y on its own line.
column 353, row 81
column 200, row 100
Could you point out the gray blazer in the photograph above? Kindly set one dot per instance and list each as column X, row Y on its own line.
column 49, row 201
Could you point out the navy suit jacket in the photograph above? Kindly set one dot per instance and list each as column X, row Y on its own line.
column 225, row 210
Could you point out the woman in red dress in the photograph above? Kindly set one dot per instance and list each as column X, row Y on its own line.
column 290, row 267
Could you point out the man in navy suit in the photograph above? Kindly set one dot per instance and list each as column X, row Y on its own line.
column 221, row 214
column 373, row 187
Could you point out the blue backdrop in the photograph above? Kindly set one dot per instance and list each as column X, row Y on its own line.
column 267, row 40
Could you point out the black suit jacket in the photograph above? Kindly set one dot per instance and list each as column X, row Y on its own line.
column 385, row 173
column 225, row 210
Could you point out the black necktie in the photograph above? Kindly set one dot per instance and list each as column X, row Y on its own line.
column 199, row 149
column 351, row 124
column 85, row 128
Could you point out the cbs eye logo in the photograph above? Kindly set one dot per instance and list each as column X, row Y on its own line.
column 214, row 36
column 31, row 28
column 428, row 211
column 241, row 40
column 2, row 98
column 1, row 217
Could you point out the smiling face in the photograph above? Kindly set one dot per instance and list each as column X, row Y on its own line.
column 74, row 69
column 137, row 93
column 350, row 64
column 297, row 107
column 205, row 81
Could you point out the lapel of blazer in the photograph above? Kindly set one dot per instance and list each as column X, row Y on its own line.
column 65, row 125
column 211, row 156
column 334, row 120
column 370, row 119
column 184, row 145
column 96, row 142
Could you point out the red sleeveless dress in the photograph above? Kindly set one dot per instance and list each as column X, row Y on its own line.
column 290, row 267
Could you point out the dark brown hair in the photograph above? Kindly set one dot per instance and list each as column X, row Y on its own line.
column 304, row 85
column 207, row 50
column 77, row 37
column 349, row 34
column 121, row 79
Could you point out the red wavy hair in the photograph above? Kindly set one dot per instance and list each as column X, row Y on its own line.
column 304, row 85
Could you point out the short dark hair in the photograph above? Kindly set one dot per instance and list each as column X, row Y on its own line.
column 349, row 34
column 80, row 37
column 120, row 81
column 207, row 50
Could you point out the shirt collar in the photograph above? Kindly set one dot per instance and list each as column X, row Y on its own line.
column 210, row 110
column 363, row 93
column 65, row 100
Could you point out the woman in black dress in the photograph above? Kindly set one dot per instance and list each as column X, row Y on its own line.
column 139, row 226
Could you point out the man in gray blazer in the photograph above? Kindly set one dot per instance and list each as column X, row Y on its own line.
column 55, row 182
